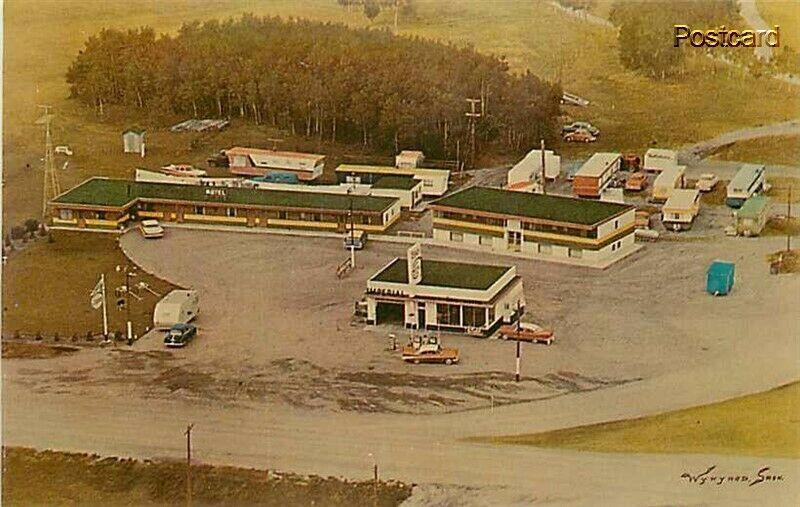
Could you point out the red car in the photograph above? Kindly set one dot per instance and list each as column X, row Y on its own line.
column 580, row 136
column 527, row 332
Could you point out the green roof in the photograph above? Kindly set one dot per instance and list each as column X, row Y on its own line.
column 753, row 207
column 397, row 182
column 529, row 205
column 117, row 193
column 459, row 275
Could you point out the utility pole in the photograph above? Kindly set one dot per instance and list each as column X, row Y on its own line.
column 544, row 173
column 789, row 220
column 519, row 349
column 473, row 116
column 352, row 234
column 105, row 309
column 51, row 187
column 188, row 434
column 129, row 271
column 375, row 474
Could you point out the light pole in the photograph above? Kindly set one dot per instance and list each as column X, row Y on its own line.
column 519, row 348
column 352, row 231
column 129, row 271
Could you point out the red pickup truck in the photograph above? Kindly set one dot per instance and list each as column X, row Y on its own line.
column 527, row 332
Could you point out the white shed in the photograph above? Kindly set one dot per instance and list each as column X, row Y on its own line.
column 409, row 159
column 133, row 141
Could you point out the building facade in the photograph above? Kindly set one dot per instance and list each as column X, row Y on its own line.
column 542, row 226
column 450, row 296
column 110, row 204
column 434, row 181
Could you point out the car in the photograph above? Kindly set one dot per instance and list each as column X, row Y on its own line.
column 580, row 136
column 151, row 229
column 526, row 332
column 180, row 335
column 706, row 182
column 63, row 150
column 580, row 125
column 636, row 182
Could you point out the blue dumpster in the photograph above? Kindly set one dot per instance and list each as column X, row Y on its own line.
column 720, row 277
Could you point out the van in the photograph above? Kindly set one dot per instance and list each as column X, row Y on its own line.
column 177, row 307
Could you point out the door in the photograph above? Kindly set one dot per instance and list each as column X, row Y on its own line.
column 514, row 241
column 421, row 317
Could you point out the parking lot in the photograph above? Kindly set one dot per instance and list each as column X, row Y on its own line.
column 276, row 323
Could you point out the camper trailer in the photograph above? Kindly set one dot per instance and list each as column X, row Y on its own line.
column 666, row 182
column 681, row 208
column 657, row 159
column 747, row 182
column 177, row 307
column 752, row 217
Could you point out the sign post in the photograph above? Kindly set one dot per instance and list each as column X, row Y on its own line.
column 98, row 300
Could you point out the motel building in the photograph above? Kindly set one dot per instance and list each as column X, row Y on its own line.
column 112, row 204
column 443, row 295
column 535, row 225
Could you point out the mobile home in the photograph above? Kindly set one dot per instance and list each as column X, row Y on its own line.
column 666, row 182
column 409, row 159
column 747, row 182
column 434, row 181
column 177, row 307
column 752, row 217
column 681, row 208
column 256, row 162
column 595, row 174
column 526, row 173
column 657, row 159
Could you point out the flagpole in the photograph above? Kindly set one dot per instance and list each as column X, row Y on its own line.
column 105, row 310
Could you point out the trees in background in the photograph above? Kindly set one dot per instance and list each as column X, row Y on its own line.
column 316, row 79
column 646, row 31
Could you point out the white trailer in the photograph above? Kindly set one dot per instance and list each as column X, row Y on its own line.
column 666, row 182
column 681, row 208
column 527, row 172
column 177, row 307
column 657, row 159
column 747, row 182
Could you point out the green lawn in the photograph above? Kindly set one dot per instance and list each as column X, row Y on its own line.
column 786, row 14
column 764, row 424
column 783, row 150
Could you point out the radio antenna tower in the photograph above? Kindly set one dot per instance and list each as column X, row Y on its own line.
column 51, row 187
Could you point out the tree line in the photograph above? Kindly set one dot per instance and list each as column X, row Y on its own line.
column 318, row 79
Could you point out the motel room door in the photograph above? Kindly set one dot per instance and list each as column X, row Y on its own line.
column 421, row 317
column 515, row 241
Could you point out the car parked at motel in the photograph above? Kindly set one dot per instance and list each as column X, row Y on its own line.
column 151, row 229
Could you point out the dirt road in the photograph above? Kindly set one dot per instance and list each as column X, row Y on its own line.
column 646, row 319
column 702, row 149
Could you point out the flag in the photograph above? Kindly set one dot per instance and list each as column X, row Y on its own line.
column 96, row 298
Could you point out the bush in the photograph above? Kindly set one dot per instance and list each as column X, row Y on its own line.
column 17, row 232
column 31, row 225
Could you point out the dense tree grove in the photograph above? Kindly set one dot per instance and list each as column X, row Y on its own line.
column 646, row 31
column 316, row 79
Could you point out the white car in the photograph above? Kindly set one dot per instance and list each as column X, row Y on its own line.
column 707, row 182
column 184, row 170
column 151, row 229
column 64, row 150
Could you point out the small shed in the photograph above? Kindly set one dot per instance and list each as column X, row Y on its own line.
column 133, row 141
column 752, row 216
column 409, row 159
column 720, row 278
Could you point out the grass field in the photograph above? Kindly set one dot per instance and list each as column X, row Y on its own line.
column 782, row 150
column 46, row 287
column 57, row 478
column 786, row 14
column 763, row 424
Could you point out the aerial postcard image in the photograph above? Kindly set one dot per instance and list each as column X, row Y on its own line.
column 400, row 253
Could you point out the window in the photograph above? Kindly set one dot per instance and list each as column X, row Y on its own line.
column 448, row 315
column 545, row 249
column 282, row 215
column 485, row 240
column 199, row 210
column 474, row 316
column 456, row 236
column 231, row 212
column 616, row 224
column 65, row 214
column 577, row 253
